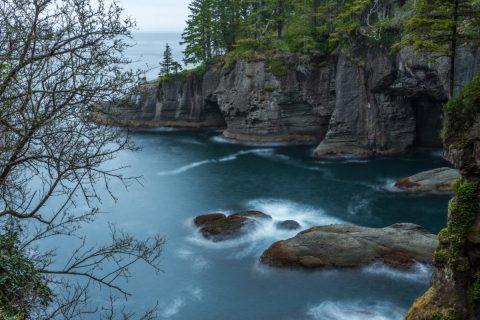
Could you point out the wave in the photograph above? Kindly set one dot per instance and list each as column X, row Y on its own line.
column 360, row 205
column 267, row 232
column 231, row 157
column 174, row 307
column 356, row 310
column 156, row 129
column 223, row 140
column 198, row 263
column 418, row 273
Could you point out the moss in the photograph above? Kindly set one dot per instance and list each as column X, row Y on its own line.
column 475, row 287
column 460, row 114
column 199, row 70
column 278, row 67
column 433, row 305
column 463, row 209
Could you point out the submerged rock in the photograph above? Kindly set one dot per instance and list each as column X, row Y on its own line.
column 432, row 181
column 219, row 227
column 341, row 246
column 288, row 225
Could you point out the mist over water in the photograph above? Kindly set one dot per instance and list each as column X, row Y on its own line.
column 188, row 173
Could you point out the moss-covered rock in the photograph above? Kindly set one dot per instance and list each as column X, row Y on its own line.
column 455, row 290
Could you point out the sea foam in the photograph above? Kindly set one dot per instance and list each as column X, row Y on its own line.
column 356, row 310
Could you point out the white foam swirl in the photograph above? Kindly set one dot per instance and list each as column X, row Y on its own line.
column 356, row 310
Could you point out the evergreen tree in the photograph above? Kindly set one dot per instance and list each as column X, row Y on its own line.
column 169, row 66
column 198, row 33
column 441, row 27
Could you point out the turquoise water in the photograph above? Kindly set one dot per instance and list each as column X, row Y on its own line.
column 187, row 173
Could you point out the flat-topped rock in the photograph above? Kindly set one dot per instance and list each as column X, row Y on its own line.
column 219, row 227
column 432, row 181
column 347, row 246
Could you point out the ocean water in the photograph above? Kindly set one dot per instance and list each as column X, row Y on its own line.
column 147, row 50
column 188, row 173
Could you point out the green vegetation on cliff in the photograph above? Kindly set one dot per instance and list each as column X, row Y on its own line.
column 310, row 27
column 455, row 291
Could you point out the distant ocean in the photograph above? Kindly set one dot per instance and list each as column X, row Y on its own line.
column 148, row 48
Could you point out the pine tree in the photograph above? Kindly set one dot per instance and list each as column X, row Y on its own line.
column 198, row 33
column 440, row 27
column 168, row 65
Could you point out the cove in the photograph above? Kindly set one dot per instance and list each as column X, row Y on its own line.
column 187, row 173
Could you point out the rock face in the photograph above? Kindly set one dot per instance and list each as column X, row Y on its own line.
column 343, row 246
column 455, row 285
column 384, row 105
column 289, row 105
column 186, row 101
column 432, row 181
column 219, row 227
column 367, row 103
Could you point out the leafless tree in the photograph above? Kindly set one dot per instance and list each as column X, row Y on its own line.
column 58, row 59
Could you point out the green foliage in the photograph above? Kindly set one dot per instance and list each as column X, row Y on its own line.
column 311, row 27
column 475, row 287
column 199, row 70
column 440, row 27
column 460, row 113
column 278, row 67
column 463, row 209
column 21, row 286
column 168, row 65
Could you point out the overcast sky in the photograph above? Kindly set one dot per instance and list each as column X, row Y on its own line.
column 157, row 15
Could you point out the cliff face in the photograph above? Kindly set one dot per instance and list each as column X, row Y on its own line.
column 187, row 101
column 289, row 105
column 455, row 286
column 384, row 104
column 368, row 103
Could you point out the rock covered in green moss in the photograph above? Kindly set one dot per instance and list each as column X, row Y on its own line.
column 455, row 290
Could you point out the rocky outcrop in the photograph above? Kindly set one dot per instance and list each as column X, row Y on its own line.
column 187, row 100
column 384, row 105
column 346, row 246
column 219, row 227
column 260, row 102
column 455, row 285
column 432, row 181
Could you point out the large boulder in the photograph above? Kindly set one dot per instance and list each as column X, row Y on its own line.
column 219, row 227
column 342, row 246
column 432, row 181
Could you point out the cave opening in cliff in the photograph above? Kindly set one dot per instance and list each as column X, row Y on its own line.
column 428, row 122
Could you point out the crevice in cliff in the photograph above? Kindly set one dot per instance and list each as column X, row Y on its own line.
column 428, row 122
